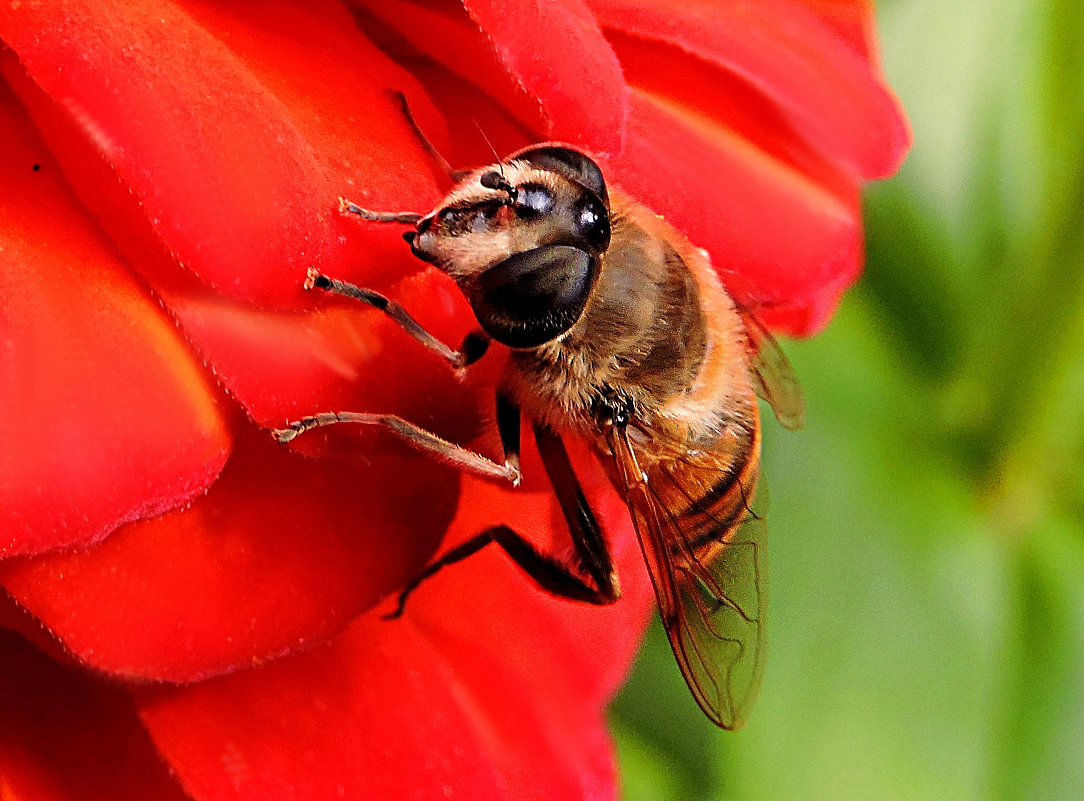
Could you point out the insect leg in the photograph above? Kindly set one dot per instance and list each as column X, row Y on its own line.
column 430, row 148
column 413, row 435
column 508, row 427
column 591, row 549
column 474, row 344
column 549, row 573
column 404, row 217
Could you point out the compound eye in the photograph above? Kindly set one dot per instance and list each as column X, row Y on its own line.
column 593, row 222
column 535, row 296
column 572, row 164
column 533, row 201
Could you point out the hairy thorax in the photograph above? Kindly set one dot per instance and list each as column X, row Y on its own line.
column 658, row 331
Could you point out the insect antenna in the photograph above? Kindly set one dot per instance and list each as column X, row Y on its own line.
column 493, row 150
column 496, row 180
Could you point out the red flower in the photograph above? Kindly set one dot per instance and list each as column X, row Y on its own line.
column 203, row 601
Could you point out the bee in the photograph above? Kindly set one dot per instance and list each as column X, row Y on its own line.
column 620, row 333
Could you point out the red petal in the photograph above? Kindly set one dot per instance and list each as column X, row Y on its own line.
column 505, row 678
column 236, row 165
column 712, row 97
column 830, row 91
column 537, row 667
column 781, row 241
column 484, row 673
column 462, row 102
column 281, row 364
column 559, row 55
column 546, row 64
column 850, row 19
column 65, row 737
column 374, row 715
column 346, row 356
column 444, row 33
column 281, row 552
column 110, row 418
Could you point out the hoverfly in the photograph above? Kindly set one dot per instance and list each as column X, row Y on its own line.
column 620, row 332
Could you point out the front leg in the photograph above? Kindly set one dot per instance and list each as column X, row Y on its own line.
column 474, row 346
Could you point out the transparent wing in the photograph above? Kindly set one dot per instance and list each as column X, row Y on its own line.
column 708, row 568
column 773, row 376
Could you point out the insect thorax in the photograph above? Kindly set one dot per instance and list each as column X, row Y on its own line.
column 643, row 335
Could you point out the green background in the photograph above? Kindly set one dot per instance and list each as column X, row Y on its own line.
column 927, row 547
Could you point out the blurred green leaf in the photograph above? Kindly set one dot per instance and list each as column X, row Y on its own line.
column 649, row 772
column 1043, row 731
